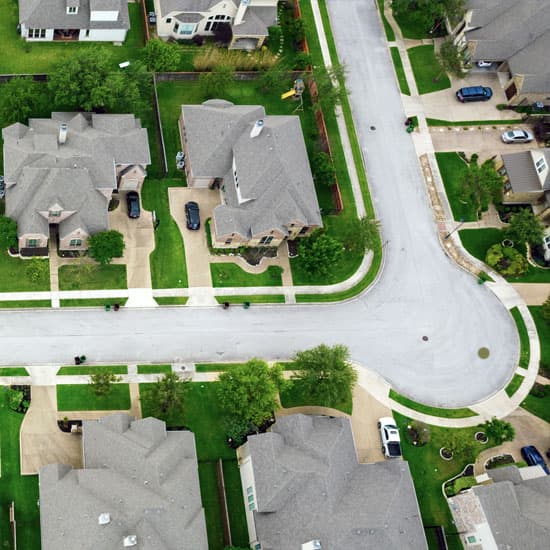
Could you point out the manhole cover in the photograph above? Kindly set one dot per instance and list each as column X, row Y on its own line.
column 483, row 353
column 373, row 128
column 425, row 338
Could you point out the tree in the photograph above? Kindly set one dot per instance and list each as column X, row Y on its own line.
column 430, row 14
column 481, row 184
column 525, row 227
column 460, row 444
column 360, row 234
column 329, row 83
column 166, row 396
column 499, row 430
column 106, row 245
column 101, row 382
column 216, row 82
column 545, row 310
column 249, row 391
column 236, row 430
column 37, row 270
column 160, row 56
column 322, row 168
column 223, row 33
column 325, row 374
column 271, row 79
column 450, row 59
column 8, row 232
column 295, row 28
column 506, row 260
column 19, row 100
column 319, row 253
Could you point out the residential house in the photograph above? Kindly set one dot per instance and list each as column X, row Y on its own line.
column 83, row 20
column 303, row 488
column 516, row 37
column 185, row 19
column 261, row 166
column 526, row 178
column 510, row 512
column 139, row 488
column 60, row 173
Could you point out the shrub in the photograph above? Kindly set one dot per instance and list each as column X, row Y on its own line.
column 302, row 60
column 506, row 260
column 499, row 430
column 540, row 390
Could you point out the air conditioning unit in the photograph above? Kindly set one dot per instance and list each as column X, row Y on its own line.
column 130, row 540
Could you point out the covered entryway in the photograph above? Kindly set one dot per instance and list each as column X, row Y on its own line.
column 66, row 34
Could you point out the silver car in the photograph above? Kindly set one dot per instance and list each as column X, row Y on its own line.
column 517, row 136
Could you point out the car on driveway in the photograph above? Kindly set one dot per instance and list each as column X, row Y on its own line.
column 484, row 64
column 532, row 456
column 389, row 434
column 517, row 136
column 132, row 200
column 474, row 93
column 192, row 215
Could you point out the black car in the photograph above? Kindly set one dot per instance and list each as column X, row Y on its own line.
column 192, row 215
column 532, row 456
column 132, row 200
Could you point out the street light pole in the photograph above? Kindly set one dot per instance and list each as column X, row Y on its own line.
column 455, row 229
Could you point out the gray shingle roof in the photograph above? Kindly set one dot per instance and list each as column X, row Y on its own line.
column 169, row 6
column 71, row 175
column 52, row 14
column 309, row 486
column 256, row 21
column 273, row 169
column 522, row 173
column 145, row 478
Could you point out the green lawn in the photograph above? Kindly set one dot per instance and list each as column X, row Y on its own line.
column 439, row 122
column 171, row 300
column 168, row 268
column 235, row 503
column 400, row 71
column 411, row 24
column 88, row 369
column 253, row 299
column 294, row 396
column 14, row 278
column 539, row 406
column 91, row 302
column 429, row 471
column 23, row 490
column 525, row 349
column 8, row 304
column 427, row 73
column 92, row 277
column 514, row 385
column 81, row 397
column 154, row 369
column 19, row 57
column 211, row 503
column 426, row 409
column 453, row 169
column 543, row 329
column 390, row 35
column 13, row 371
column 228, row 275
column 215, row 367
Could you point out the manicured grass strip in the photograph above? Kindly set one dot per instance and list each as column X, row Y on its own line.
column 13, row 274
column 539, row 406
column 253, row 299
column 427, row 409
column 215, row 367
column 13, row 371
column 429, row 77
column 411, row 24
column 295, row 396
column 24, row 303
column 23, row 490
column 93, row 302
column 390, row 35
column 235, row 503
column 229, row 275
column 81, row 397
column 525, row 349
column 400, row 71
column 171, row 300
column 154, row 369
column 92, row 277
column 514, row 385
column 210, row 500
column 89, row 369
column 543, row 329
column 439, row 122
column 453, row 169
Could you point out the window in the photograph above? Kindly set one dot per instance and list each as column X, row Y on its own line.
column 169, row 20
column 32, row 243
column 541, row 166
column 55, row 213
column 37, row 33
column 72, row 9
column 176, row 27
column 266, row 240
column 187, row 28
column 228, row 241
column 304, row 230
column 249, row 490
column 75, row 242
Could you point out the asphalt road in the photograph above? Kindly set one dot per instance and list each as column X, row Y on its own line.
column 421, row 293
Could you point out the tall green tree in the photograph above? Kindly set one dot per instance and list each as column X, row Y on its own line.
column 481, row 184
column 106, row 245
column 161, row 56
column 499, row 430
column 19, row 100
column 325, row 374
column 214, row 84
column 319, row 253
column 102, row 382
column 450, row 59
column 360, row 234
column 330, row 87
column 248, row 392
column 525, row 227
column 166, row 397
column 322, row 169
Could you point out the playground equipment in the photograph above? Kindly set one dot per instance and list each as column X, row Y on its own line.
column 296, row 93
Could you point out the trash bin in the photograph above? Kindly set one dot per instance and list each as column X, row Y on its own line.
column 107, row 307
column 410, row 128
column 246, row 305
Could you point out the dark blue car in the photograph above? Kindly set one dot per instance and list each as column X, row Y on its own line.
column 532, row 456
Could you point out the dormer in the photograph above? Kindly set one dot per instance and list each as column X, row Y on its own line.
column 72, row 7
column 104, row 10
column 541, row 166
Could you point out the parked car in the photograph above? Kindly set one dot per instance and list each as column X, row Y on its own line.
column 152, row 16
column 517, row 136
column 532, row 456
column 132, row 200
column 474, row 93
column 192, row 215
column 484, row 64
column 389, row 434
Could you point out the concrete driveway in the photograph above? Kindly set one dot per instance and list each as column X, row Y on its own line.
column 197, row 255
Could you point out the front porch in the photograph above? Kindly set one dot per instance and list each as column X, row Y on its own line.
column 66, row 35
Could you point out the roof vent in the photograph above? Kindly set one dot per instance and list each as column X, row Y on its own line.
column 104, row 518
column 257, row 128
column 130, row 540
column 312, row 545
column 62, row 137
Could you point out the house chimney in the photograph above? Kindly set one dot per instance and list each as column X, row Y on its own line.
column 62, row 137
column 240, row 12
column 312, row 545
column 104, row 518
column 130, row 540
column 257, row 128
